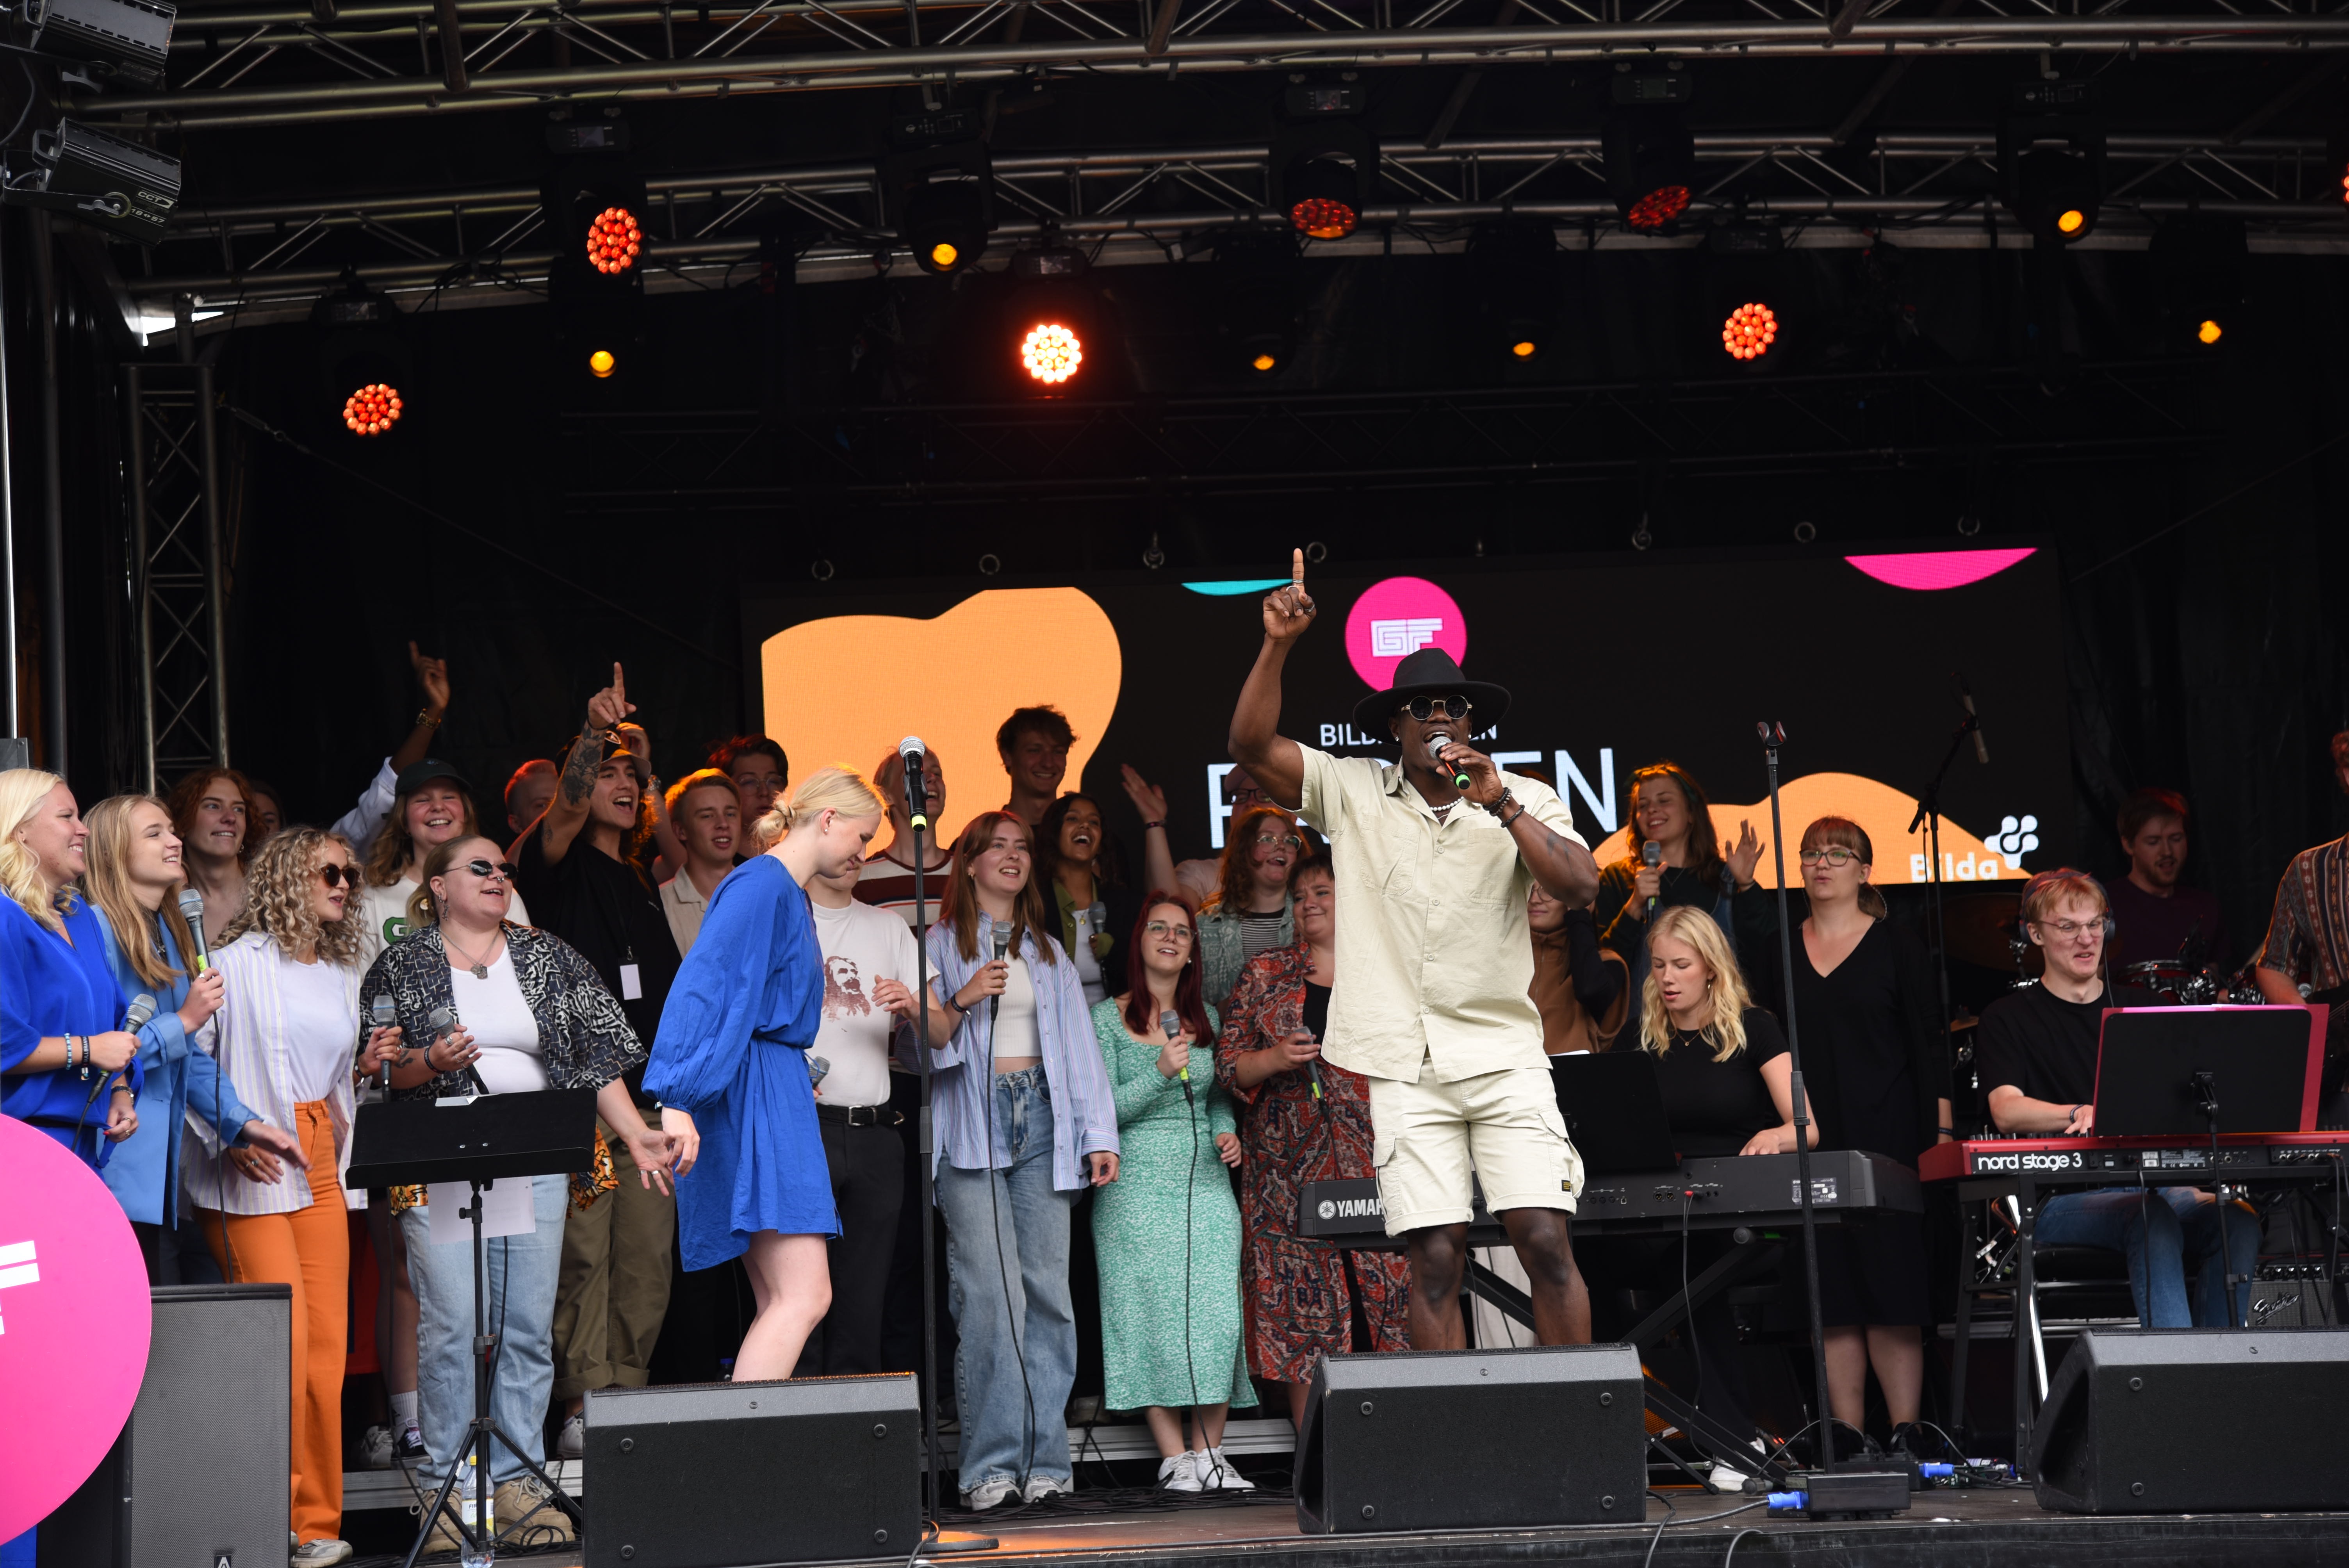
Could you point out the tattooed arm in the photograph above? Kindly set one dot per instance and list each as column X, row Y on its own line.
column 567, row 812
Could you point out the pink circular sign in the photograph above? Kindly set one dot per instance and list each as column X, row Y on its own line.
column 75, row 1320
column 1400, row 616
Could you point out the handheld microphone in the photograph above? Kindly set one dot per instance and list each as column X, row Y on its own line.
column 191, row 905
column 1002, row 947
column 143, row 1008
column 1170, row 1024
column 1651, row 855
column 1435, row 744
column 385, row 1014
column 818, row 1070
column 441, row 1021
column 1966, row 697
column 913, row 755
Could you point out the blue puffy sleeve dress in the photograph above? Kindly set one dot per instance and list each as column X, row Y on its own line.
column 733, row 1053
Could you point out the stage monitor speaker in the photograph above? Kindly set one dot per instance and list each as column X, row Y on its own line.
column 1465, row 1440
column 2193, row 1420
column 727, row 1475
column 174, row 1491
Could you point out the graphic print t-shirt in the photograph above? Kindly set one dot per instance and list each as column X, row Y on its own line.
column 862, row 946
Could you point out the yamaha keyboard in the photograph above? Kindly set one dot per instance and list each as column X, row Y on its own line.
column 2241, row 1157
column 1707, row 1194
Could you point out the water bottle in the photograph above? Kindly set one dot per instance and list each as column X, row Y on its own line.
column 480, row 1519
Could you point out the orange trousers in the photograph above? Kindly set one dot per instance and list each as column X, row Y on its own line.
column 309, row 1249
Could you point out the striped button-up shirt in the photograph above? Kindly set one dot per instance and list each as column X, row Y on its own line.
column 1084, row 1113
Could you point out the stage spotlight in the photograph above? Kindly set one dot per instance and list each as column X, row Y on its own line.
column 1648, row 153
column 939, row 194
column 945, row 225
column 2051, row 159
column 1513, row 271
column 614, row 241
column 1050, row 353
column 601, row 364
column 1524, row 349
column 123, row 187
column 1266, row 362
column 1252, row 295
column 1750, row 330
column 1324, row 162
column 128, row 40
column 1321, row 196
column 2200, row 261
column 373, row 409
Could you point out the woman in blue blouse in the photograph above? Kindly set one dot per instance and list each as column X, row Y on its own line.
column 66, row 1064
column 134, row 878
column 1025, row 1121
column 732, row 1054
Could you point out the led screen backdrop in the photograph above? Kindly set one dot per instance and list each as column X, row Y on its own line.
column 1611, row 665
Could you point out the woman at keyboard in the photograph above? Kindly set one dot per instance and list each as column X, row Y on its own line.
column 2037, row 1062
column 1728, row 1089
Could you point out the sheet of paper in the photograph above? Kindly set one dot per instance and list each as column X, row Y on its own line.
column 507, row 1210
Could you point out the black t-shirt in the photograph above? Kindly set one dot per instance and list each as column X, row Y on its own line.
column 1317, row 1009
column 2044, row 1045
column 1716, row 1106
column 611, row 913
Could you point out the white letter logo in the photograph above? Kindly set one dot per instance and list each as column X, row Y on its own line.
column 1392, row 639
column 2015, row 840
column 17, row 1266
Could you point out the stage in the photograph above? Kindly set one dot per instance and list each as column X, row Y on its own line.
column 1945, row 1528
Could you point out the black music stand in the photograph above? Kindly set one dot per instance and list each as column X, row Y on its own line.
column 476, row 1140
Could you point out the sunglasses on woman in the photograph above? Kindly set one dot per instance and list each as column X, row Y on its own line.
column 1424, row 707
column 485, row 870
column 336, row 875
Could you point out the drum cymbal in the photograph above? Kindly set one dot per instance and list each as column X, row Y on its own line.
column 1978, row 924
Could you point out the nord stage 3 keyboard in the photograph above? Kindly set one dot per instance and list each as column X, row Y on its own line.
column 1713, row 1191
column 2058, row 1158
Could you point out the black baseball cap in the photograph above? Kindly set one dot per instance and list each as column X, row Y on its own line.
column 416, row 777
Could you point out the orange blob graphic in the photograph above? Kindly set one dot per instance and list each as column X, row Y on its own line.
column 614, row 241
column 1882, row 812
column 954, row 678
column 1051, row 353
column 1749, row 332
column 373, row 409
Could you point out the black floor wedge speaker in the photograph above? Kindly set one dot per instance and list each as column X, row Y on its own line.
column 1465, row 1440
column 2193, row 1420
column 740, row 1475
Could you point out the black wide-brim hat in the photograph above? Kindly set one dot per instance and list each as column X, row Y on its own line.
column 1437, row 674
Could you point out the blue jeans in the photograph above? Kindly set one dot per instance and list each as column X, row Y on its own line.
column 1011, row 1226
column 2159, row 1229
column 518, row 1306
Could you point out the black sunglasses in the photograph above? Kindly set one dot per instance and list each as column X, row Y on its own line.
column 336, row 875
column 488, row 869
column 1422, row 707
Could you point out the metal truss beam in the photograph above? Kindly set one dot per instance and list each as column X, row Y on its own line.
column 740, row 462
column 1099, row 49
column 175, row 551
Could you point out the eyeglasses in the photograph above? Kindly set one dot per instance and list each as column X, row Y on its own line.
column 1159, row 931
column 486, row 870
column 1836, row 855
column 2068, row 928
column 1424, row 708
column 335, row 874
column 1278, row 841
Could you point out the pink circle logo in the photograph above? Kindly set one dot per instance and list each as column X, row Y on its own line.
column 1401, row 616
column 75, row 1320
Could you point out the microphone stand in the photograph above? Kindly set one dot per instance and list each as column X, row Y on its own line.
column 917, row 818
column 1928, row 814
column 1774, row 736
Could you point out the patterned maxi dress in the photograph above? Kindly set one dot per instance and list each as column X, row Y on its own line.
column 1300, row 1297
column 1148, row 1264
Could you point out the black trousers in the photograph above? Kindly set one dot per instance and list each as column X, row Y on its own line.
column 868, row 1186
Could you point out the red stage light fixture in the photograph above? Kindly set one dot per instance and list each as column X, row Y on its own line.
column 1322, row 192
column 1050, row 353
column 614, row 241
column 1750, row 330
column 1645, row 149
column 373, row 409
column 1658, row 207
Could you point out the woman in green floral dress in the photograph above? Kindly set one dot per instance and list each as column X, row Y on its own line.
column 1166, row 1233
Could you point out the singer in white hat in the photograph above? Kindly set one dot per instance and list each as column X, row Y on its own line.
column 1436, row 853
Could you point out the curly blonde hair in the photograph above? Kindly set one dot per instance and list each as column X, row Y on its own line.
column 277, row 897
column 22, row 792
column 1725, row 1030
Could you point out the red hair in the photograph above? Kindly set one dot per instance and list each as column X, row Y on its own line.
column 1190, row 993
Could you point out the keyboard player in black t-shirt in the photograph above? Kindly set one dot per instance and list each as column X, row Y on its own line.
column 2035, row 1055
column 1728, row 1089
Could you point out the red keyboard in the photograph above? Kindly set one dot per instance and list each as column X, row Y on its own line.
column 2058, row 1157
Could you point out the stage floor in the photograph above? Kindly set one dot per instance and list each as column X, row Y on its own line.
column 1975, row 1528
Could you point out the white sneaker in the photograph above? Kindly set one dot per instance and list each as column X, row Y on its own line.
column 993, row 1493
column 574, row 1440
column 1220, row 1474
column 1180, row 1473
column 376, row 1450
column 1040, row 1487
column 321, row 1553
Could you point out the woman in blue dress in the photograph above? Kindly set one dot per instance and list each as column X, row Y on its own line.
column 67, row 1066
column 732, row 1054
column 134, row 878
